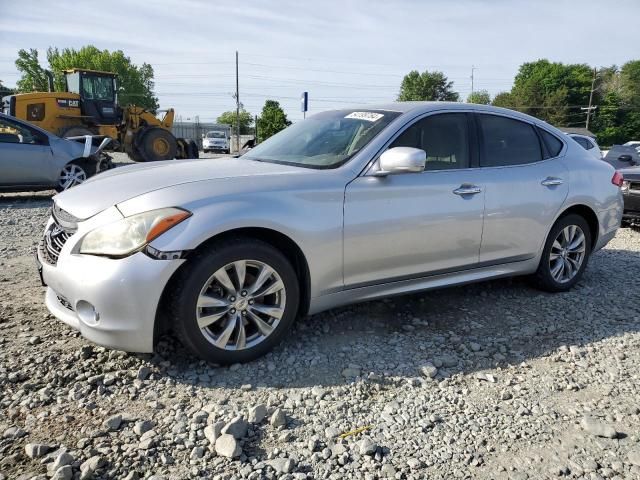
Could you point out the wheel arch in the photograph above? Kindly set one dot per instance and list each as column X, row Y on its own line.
column 590, row 217
column 283, row 243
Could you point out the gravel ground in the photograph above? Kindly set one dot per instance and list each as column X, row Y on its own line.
column 494, row 380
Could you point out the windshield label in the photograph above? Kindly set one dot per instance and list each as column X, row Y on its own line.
column 368, row 116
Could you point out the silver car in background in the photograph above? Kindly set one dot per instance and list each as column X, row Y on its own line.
column 34, row 159
column 346, row 206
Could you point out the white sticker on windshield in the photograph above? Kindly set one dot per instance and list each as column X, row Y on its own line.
column 368, row 116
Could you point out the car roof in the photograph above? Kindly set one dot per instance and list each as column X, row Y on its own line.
column 418, row 108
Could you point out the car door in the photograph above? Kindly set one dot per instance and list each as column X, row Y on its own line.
column 414, row 224
column 526, row 185
column 25, row 155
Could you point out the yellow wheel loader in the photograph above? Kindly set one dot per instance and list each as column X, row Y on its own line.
column 89, row 106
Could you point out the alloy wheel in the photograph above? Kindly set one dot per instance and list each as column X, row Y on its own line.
column 241, row 304
column 567, row 254
column 71, row 175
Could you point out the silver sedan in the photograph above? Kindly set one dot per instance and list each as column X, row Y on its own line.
column 34, row 159
column 346, row 206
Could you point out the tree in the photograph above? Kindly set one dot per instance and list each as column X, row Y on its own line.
column 271, row 120
column 503, row 99
column 135, row 82
column 4, row 90
column 427, row 86
column 230, row 118
column 34, row 78
column 554, row 92
column 481, row 97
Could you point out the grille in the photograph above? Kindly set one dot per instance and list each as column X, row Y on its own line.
column 634, row 185
column 54, row 239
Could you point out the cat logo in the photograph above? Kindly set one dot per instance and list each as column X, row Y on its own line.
column 68, row 102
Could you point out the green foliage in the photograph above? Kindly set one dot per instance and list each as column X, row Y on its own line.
column 617, row 118
column 230, row 118
column 4, row 90
column 427, row 86
column 504, row 100
column 271, row 120
column 481, row 97
column 33, row 77
column 553, row 92
column 135, row 82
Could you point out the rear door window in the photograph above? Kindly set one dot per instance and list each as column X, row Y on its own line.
column 507, row 142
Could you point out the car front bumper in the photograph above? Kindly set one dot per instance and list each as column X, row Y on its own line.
column 112, row 302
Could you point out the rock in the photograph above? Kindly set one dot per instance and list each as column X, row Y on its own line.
column 113, row 422
column 35, row 340
column 197, row 453
column 14, row 432
column 200, row 417
column 350, row 372
column 227, row 446
column 257, row 413
column 366, row 446
column 278, row 419
column 61, row 460
column 133, row 475
column 633, row 457
column 598, row 428
column 448, row 361
column 236, row 427
column 63, row 473
column 388, row 471
column 505, row 395
column 142, row 427
column 281, row 465
column 212, row 432
column 89, row 467
column 332, row 432
column 36, row 450
column 429, row 370
column 143, row 373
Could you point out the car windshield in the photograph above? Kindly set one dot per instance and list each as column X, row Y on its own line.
column 215, row 135
column 326, row 140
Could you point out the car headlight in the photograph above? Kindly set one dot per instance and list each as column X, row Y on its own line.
column 126, row 236
column 625, row 186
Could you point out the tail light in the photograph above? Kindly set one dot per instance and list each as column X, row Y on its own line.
column 617, row 179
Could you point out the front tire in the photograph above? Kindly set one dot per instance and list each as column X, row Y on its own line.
column 565, row 255
column 235, row 301
column 74, row 173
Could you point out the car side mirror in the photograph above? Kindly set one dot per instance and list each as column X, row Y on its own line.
column 625, row 158
column 401, row 160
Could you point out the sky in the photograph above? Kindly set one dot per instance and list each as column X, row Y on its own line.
column 343, row 52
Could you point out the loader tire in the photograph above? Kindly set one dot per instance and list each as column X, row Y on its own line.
column 74, row 132
column 158, row 144
column 193, row 149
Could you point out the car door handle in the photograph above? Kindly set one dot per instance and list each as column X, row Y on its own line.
column 466, row 189
column 551, row 181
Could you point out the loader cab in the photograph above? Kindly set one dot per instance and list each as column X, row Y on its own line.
column 98, row 98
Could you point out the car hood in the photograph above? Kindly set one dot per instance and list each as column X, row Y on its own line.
column 123, row 183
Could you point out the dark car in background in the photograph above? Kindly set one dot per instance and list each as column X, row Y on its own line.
column 626, row 159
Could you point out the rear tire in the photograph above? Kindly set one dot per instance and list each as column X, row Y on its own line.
column 228, row 320
column 158, row 144
column 565, row 255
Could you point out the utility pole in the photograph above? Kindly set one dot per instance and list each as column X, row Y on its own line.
column 472, row 69
column 593, row 84
column 237, row 107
